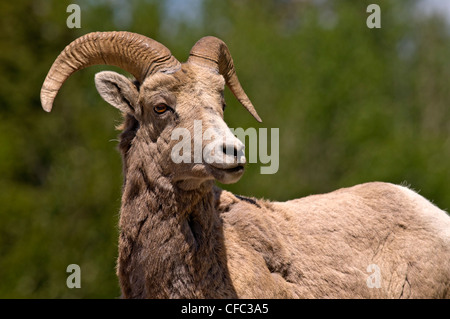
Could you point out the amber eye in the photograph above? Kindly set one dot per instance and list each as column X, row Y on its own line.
column 160, row 108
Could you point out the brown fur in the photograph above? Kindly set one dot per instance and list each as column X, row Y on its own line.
column 320, row 246
column 182, row 237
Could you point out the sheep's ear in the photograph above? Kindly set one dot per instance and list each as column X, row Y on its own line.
column 118, row 91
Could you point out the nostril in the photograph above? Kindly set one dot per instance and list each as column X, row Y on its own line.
column 230, row 149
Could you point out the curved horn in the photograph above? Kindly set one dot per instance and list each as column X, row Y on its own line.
column 213, row 53
column 135, row 53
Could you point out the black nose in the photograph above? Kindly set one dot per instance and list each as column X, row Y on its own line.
column 230, row 149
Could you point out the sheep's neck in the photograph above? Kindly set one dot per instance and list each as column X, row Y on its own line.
column 171, row 242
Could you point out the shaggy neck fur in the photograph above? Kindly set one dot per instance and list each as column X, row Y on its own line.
column 171, row 242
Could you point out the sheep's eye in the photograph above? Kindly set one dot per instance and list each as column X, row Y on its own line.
column 160, row 108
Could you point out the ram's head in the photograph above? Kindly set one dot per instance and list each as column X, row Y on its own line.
column 167, row 103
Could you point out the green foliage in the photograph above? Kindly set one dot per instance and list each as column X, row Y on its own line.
column 352, row 104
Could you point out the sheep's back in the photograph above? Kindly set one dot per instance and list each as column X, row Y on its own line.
column 331, row 245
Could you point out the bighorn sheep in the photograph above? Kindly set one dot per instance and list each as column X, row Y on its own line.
column 183, row 237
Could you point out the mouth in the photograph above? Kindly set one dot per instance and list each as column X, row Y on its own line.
column 237, row 169
column 227, row 175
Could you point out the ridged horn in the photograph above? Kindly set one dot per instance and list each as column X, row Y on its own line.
column 213, row 53
column 134, row 53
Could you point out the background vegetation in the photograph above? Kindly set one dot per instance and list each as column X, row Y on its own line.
column 352, row 104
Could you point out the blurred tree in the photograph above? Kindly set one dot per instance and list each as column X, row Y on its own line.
column 353, row 105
